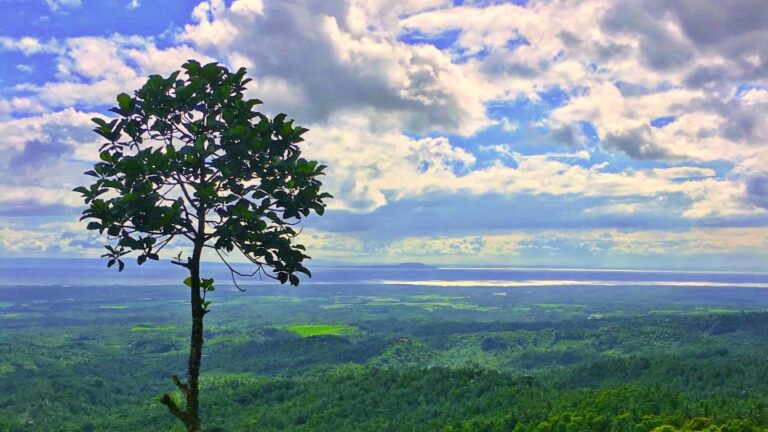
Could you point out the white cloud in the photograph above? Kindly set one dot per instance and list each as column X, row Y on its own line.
column 660, row 52
column 513, row 247
column 508, row 125
column 29, row 45
column 19, row 105
column 60, row 5
column 342, row 66
column 369, row 169
column 52, row 238
column 42, row 157
column 91, row 71
column 25, row 68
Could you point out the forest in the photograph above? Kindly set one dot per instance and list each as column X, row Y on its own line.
column 349, row 357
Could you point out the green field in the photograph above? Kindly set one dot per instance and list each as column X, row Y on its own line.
column 309, row 330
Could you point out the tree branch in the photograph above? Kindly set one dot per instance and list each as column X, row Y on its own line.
column 179, row 263
column 182, row 386
column 174, row 408
column 233, row 272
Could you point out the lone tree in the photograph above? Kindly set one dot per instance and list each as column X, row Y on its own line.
column 189, row 159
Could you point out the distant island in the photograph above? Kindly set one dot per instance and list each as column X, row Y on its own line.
column 405, row 265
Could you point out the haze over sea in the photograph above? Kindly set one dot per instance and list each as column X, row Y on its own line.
column 92, row 272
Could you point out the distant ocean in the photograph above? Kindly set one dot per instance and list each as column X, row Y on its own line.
column 85, row 272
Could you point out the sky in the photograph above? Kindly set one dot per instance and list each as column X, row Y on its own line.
column 569, row 133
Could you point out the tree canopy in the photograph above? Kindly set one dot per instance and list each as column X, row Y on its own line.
column 186, row 149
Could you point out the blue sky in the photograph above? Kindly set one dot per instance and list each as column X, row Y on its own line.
column 588, row 133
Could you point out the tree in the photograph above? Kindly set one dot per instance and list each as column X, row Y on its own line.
column 189, row 160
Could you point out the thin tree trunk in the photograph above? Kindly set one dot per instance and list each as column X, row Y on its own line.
column 195, row 347
column 190, row 414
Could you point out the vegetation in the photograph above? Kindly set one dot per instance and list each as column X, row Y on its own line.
column 509, row 364
column 309, row 330
column 189, row 158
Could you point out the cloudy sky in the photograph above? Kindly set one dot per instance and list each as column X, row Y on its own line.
column 579, row 133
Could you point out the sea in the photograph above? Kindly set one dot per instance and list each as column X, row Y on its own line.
column 93, row 272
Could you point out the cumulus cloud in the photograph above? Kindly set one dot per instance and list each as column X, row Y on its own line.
column 19, row 105
column 56, row 238
column 640, row 60
column 324, row 62
column 655, row 101
column 91, row 71
column 42, row 158
column 368, row 170
column 511, row 247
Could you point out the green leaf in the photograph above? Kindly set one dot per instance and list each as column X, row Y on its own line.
column 124, row 101
column 141, row 259
column 200, row 143
column 239, row 130
column 188, row 282
column 282, row 277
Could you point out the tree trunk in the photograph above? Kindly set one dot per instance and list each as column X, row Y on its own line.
column 190, row 414
column 195, row 348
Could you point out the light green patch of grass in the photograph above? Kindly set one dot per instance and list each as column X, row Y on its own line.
column 14, row 315
column 719, row 310
column 377, row 301
column 614, row 314
column 146, row 327
column 439, row 298
column 560, row 306
column 6, row 368
column 114, row 307
column 263, row 299
column 309, row 330
column 432, row 306
column 5, row 304
column 335, row 306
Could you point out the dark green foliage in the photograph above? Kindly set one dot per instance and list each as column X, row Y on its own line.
column 76, row 364
column 191, row 147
